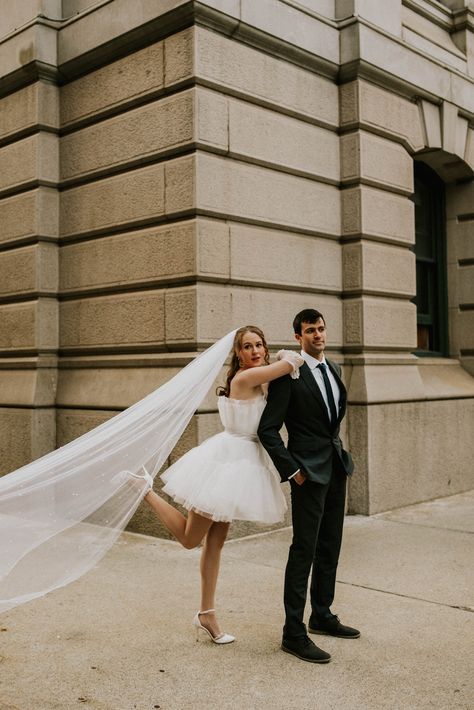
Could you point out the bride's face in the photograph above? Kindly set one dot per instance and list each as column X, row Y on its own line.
column 252, row 351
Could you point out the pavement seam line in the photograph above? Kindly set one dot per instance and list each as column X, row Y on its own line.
column 407, row 596
column 429, row 527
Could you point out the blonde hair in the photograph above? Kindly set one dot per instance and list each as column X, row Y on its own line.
column 234, row 367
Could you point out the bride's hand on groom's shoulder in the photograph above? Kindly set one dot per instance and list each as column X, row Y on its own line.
column 294, row 359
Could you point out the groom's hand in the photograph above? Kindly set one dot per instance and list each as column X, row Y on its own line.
column 300, row 478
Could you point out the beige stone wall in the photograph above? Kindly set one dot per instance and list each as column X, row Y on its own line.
column 166, row 177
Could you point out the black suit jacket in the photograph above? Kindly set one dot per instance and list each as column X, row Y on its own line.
column 312, row 439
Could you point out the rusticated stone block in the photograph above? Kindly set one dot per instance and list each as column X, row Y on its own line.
column 141, row 257
column 241, row 69
column 390, row 323
column 29, row 325
column 32, row 269
column 167, row 253
column 179, row 56
column 30, row 214
column 372, row 107
column 284, row 258
column 236, row 189
column 377, row 213
column 270, row 137
column 112, row 321
column 70, row 423
column 36, row 104
column 222, row 308
column 352, row 272
column 214, row 248
column 353, row 323
column 385, row 323
column 134, row 135
column 107, row 387
column 132, row 197
column 182, row 315
column 30, row 159
column 25, row 434
column 27, row 388
column 18, row 163
column 126, row 79
column 382, row 109
column 379, row 267
column 376, row 160
column 212, row 114
column 180, row 181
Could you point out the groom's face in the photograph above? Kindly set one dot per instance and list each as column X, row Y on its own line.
column 313, row 338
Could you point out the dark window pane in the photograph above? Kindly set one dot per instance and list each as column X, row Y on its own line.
column 429, row 249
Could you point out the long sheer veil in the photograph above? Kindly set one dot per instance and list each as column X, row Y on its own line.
column 60, row 514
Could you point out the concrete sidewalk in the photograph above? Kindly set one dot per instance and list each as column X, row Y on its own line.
column 121, row 637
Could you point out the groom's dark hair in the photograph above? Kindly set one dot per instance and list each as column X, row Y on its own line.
column 309, row 315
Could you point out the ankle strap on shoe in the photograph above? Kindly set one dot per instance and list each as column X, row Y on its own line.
column 208, row 611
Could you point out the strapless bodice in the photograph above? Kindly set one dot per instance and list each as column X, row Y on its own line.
column 241, row 416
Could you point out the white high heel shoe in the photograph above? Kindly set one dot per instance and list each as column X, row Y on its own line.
column 220, row 638
column 145, row 477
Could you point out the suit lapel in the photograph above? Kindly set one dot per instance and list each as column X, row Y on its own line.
column 308, row 378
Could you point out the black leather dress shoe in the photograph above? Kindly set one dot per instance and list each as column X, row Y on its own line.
column 332, row 627
column 306, row 650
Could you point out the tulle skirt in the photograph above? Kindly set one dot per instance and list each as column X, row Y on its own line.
column 228, row 477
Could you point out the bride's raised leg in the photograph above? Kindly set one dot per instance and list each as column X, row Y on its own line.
column 189, row 531
column 210, row 562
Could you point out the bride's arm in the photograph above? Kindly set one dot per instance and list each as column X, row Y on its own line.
column 289, row 363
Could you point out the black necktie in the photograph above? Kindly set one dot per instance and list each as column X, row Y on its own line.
column 332, row 404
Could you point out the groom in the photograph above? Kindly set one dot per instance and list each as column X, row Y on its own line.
column 317, row 467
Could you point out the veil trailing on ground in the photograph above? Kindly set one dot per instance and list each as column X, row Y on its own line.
column 60, row 514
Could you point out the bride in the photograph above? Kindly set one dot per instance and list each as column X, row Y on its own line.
column 61, row 513
column 229, row 476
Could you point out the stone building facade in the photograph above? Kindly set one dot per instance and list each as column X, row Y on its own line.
column 171, row 169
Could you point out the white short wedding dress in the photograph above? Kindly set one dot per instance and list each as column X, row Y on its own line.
column 230, row 475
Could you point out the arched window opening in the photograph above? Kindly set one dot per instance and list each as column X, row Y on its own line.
column 430, row 250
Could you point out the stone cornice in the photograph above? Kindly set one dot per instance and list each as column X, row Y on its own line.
column 361, row 55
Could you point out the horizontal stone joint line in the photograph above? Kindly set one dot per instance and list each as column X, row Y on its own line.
column 27, row 186
column 122, row 108
column 406, row 596
column 27, row 132
column 351, row 182
column 466, row 262
column 30, row 297
column 265, row 103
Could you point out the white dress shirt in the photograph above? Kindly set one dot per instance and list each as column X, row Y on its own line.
column 318, row 376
